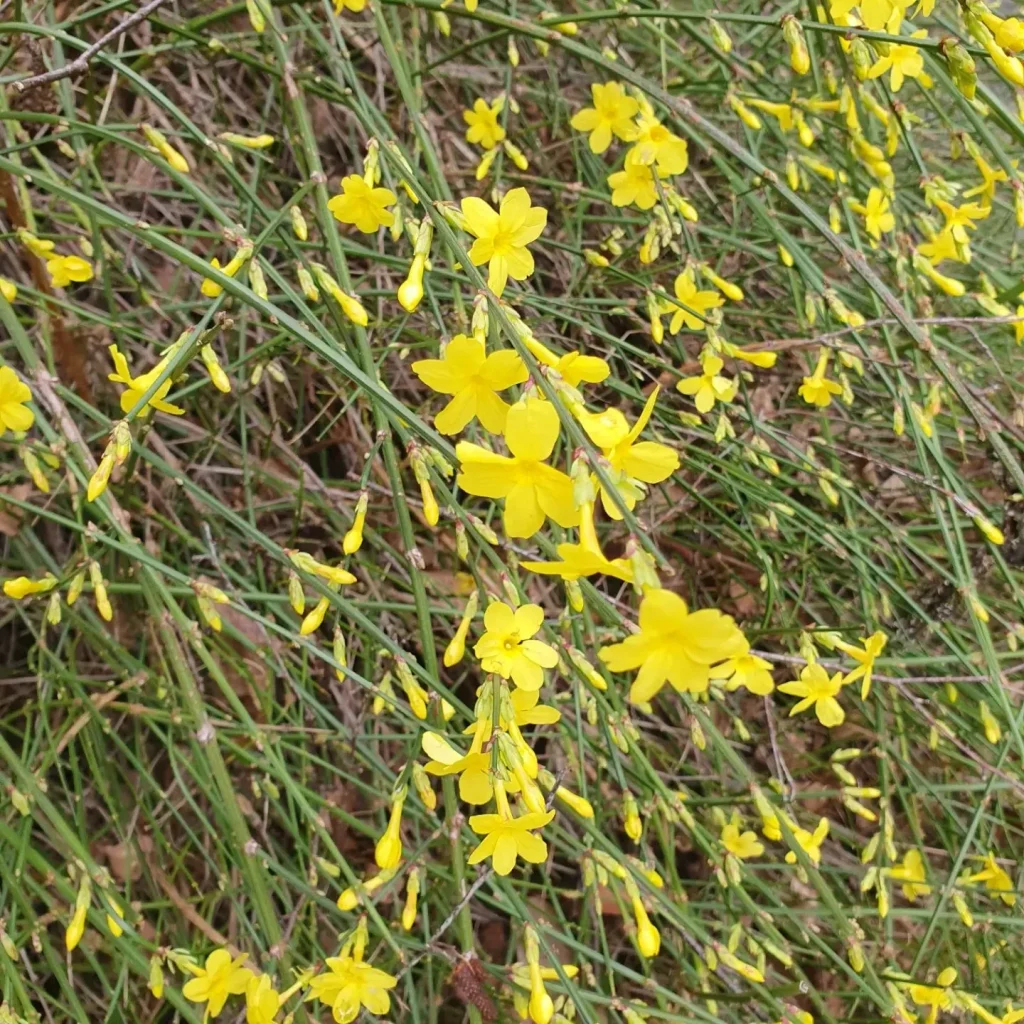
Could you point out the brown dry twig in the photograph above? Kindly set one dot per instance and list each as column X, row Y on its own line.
column 81, row 62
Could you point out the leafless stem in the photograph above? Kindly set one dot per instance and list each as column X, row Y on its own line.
column 81, row 62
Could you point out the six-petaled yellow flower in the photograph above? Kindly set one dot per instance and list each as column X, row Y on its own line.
column 674, row 646
column 693, row 303
column 532, row 489
column 484, row 127
column 222, row 976
column 472, row 377
column 509, row 648
column 349, row 985
column 817, row 689
column 612, row 114
column 878, row 218
column 508, row 838
column 14, row 393
column 363, row 206
column 710, row 386
column 740, row 844
column 64, row 270
column 136, row 387
column 502, row 236
column 634, row 184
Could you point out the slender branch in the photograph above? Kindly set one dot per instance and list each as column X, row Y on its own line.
column 81, row 62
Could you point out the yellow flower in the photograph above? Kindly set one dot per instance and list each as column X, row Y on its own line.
column 220, row 978
column 809, row 842
column 8, row 289
column 576, row 368
column 261, row 1000
column 507, row 838
column 674, row 645
column 989, row 177
column 816, row 688
column 473, row 377
column 349, row 5
column 502, row 236
column 876, row 214
column 610, row 115
column 818, row 389
column 960, row 219
column 996, row 880
column 363, row 206
column 903, row 60
column 508, row 648
column 695, row 301
column 532, row 489
column 65, row 269
column 911, row 872
column 21, row 587
column 138, row 386
column 14, row 393
column 484, row 128
column 865, row 658
column 473, row 769
column 655, row 144
column 746, row 670
column 942, row 247
column 350, row 984
column 879, row 15
column 634, row 464
column 634, row 184
column 936, row 997
column 576, row 560
column 782, row 112
column 710, row 386
column 740, row 844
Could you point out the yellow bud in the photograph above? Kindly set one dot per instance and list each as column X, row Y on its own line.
column 515, row 154
column 412, row 890
column 219, row 378
column 299, row 226
column 159, row 142
column 351, row 307
column 353, row 539
column 631, row 817
column 156, row 977
column 296, row 596
column 256, row 16
column 388, row 852
column 410, row 292
column 99, row 591
column 744, row 113
column 258, row 281
column 579, row 804
column 8, row 289
column 312, row 622
column 76, row 928
column 799, row 58
column 306, row 283
column 648, row 938
column 727, row 288
column 114, row 918
column 785, row 256
column 990, row 530
column 430, row 510
column 424, row 790
column 348, row 900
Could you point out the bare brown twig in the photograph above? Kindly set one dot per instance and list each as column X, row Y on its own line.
column 81, row 62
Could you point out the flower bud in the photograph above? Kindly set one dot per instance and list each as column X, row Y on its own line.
column 353, row 539
column 799, row 58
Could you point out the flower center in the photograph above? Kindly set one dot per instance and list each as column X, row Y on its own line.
column 511, row 642
column 502, row 241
